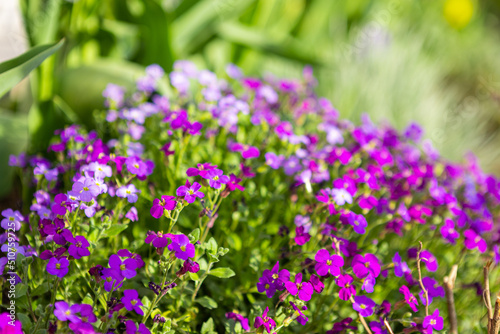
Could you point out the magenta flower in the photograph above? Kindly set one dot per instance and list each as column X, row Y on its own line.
column 182, row 247
column 216, row 178
column 364, row 305
column 86, row 189
column 64, row 312
column 448, row 231
column 190, row 192
column 265, row 321
column 347, row 289
column 87, row 313
column 131, row 301
column 241, row 319
column 301, row 236
column 400, row 268
column 430, row 260
column 273, row 160
column 304, row 290
column 474, row 240
column 316, row 283
column 247, row 151
column 58, row 267
column 59, row 207
column 433, row 321
column 131, row 328
column 326, row 263
column 160, row 205
column 233, row 183
column 12, row 219
column 201, row 170
column 325, row 196
column 432, row 290
column 125, row 268
column 301, row 318
column 129, row 191
column 358, row 222
column 79, row 247
column 409, row 298
column 267, row 285
column 364, row 265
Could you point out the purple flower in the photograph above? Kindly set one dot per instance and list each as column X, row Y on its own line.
column 79, row 246
column 474, row 240
column 301, row 318
column 265, row 321
column 364, row 265
column 247, row 151
column 87, row 190
column 430, row 260
column 358, row 222
column 279, row 277
column 113, row 279
column 326, row 263
column 273, row 160
column 238, row 317
column 347, row 289
column 266, row 284
column 58, row 267
column 341, row 326
column 87, row 313
column 433, row 321
column 182, row 247
column 64, row 312
column 160, row 205
column 125, row 268
column 42, row 169
column 316, row 283
column 129, row 191
column 363, row 305
column 202, row 170
column 304, row 290
column 368, row 284
column 448, row 231
column 131, row 301
column 12, row 219
column 59, row 207
column 432, row 290
column 216, row 178
column 232, row 185
column 301, row 237
column 400, row 268
column 132, row 214
column 188, row 266
column 131, row 328
column 100, row 171
column 409, row 298
column 190, row 192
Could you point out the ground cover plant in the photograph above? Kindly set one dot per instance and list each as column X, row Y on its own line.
column 205, row 204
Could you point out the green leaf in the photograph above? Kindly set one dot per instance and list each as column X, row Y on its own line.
column 194, row 236
column 208, row 327
column 115, row 230
column 207, row 302
column 211, row 246
column 40, row 290
column 21, row 290
column 14, row 70
column 25, row 321
column 222, row 272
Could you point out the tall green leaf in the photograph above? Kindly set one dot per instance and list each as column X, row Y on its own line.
column 14, row 70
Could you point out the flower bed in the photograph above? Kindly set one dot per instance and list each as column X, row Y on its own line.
column 203, row 205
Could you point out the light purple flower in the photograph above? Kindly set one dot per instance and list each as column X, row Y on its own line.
column 364, row 305
column 12, row 219
column 86, row 189
column 64, row 312
column 190, row 192
column 129, row 191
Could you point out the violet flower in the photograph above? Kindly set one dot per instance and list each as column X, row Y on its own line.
column 190, row 192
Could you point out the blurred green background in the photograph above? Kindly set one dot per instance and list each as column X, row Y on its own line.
column 436, row 62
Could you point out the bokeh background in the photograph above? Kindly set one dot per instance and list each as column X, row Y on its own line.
column 436, row 62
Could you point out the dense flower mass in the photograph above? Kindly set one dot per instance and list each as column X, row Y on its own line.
column 310, row 220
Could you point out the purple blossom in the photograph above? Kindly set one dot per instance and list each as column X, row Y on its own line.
column 400, row 268
column 301, row 318
column 12, row 219
column 265, row 321
column 182, row 247
column 59, row 207
column 132, row 328
column 301, row 237
column 79, row 247
column 86, row 189
column 266, row 284
column 358, row 222
column 160, row 205
column 429, row 259
column 409, row 298
column 432, row 290
column 328, row 264
column 238, row 317
column 316, row 283
column 273, row 160
column 129, row 191
column 341, row 196
column 474, row 240
column 303, row 289
column 347, row 288
column 190, row 192
column 201, row 170
column 64, row 312
column 363, row 305
column 58, row 267
column 125, row 268
column 364, row 265
column 448, row 231
column 433, row 321
column 216, row 178
column 131, row 301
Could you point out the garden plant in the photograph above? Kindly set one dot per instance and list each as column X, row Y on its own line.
column 230, row 204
